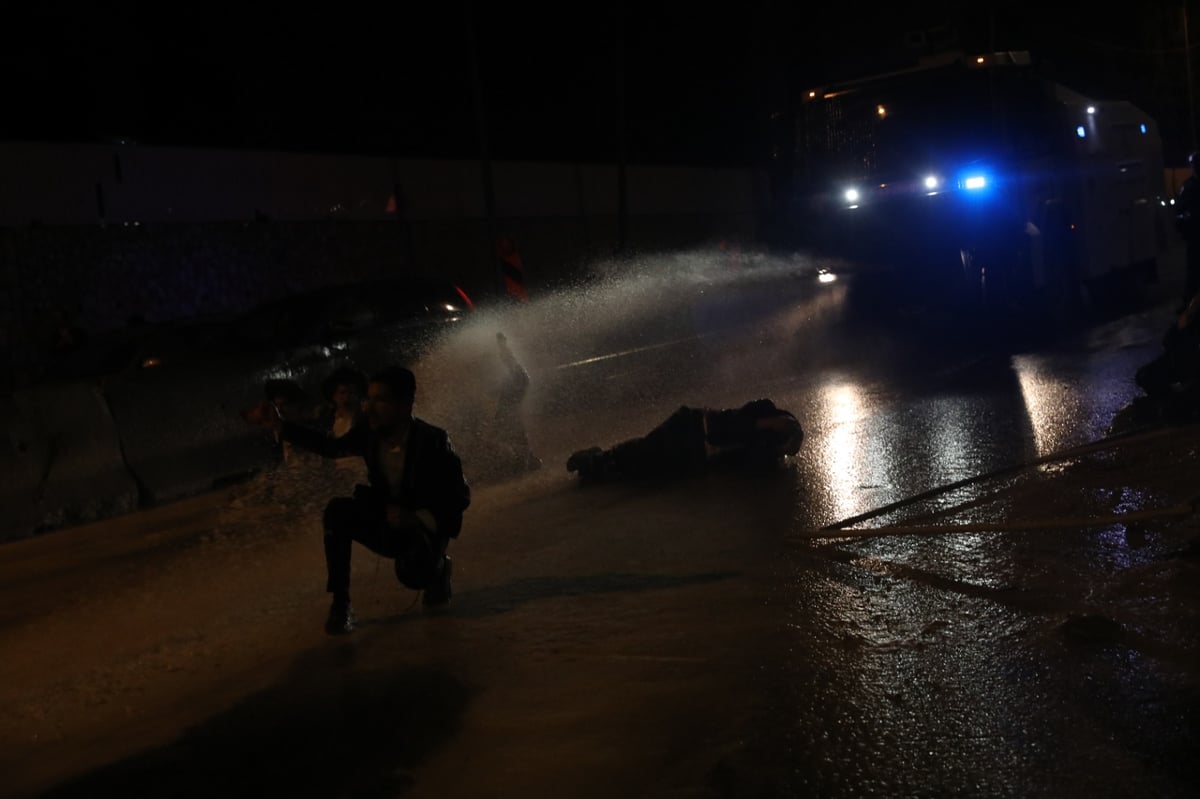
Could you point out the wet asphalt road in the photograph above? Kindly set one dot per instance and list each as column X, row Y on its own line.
column 702, row 637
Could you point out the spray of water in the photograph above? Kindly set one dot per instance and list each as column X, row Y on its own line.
column 626, row 344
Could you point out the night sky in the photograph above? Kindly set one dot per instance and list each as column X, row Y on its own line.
column 699, row 85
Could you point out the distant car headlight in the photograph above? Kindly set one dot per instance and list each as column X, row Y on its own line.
column 852, row 195
column 931, row 182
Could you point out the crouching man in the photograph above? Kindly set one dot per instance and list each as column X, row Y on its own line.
column 412, row 506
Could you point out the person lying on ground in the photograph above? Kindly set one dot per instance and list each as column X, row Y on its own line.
column 756, row 435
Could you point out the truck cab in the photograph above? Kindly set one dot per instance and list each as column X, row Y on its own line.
column 980, row 178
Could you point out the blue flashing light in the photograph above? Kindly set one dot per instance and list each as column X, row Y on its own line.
column 1080, row 132
column 975, row 182
column 1142, row 127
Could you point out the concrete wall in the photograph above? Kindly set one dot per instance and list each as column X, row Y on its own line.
column 94, row 234
column 55, row 184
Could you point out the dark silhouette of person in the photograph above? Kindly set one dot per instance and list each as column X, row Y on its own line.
column 511, row 269
column 1173, row 378
column 67, row 335
column 344, row 390
column 756, row 435
column 1187, row 222
column 292, row 404
column 413, row 503
column 510, row 436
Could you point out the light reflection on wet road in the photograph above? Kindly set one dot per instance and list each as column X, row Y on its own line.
column 941, row 664
column 705, row 637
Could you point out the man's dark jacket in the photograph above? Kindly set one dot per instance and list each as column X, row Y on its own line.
column 433, row 476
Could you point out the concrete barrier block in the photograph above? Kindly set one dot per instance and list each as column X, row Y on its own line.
column 61, row 462
column 181, row 427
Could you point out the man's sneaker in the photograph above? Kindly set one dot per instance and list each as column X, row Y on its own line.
column 438, row 594
column 581, row 460
column 341, row 618
column 594, row 465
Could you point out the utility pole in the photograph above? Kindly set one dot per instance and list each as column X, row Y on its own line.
column 1187, row 60
column 622, row 201
column 485, row 152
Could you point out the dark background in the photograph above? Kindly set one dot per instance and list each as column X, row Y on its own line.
column 698, row 85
